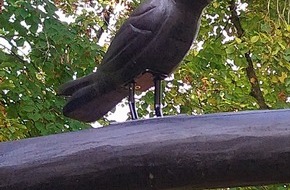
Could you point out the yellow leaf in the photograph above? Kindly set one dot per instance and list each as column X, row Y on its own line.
column 238, row 40
column 212, row 101
column 282, row 46
column 215, row 4
column 254, row 39
column 278, row 32
column 253, row 80
column 283, row 77
column 274, row 79
column 288, row 28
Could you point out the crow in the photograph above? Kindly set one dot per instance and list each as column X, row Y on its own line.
column 148, row 47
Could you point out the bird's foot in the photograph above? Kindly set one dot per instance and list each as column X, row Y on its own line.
column 132, row 105
column 158, row 96
column 158, row 77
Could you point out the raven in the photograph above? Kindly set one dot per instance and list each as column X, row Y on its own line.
column 149, row 45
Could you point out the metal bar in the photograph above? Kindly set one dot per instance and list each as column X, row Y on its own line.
column 132, row 105
column 158, row 96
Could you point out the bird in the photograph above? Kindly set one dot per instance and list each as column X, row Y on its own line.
column 148, row 47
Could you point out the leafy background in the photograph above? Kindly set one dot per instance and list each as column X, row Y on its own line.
column 240, row 61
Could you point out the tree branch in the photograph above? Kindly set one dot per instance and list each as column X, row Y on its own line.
column 255, row 90
column 106, row 14
column 13, row 53
column 1, row 5
column 250, row 70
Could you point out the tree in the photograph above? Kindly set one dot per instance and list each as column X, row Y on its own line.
column 240, row 60
column 242, row 64
column 57, row 51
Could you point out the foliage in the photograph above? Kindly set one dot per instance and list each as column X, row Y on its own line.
column 38, row 52
column 57, row 52
column 214, row 79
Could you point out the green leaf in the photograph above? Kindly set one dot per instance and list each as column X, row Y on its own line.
column 28, row 108
column 20, row 41
column 23, row 13
column 254, row 39
column 50, row 8
column 230, row 49
column 266, row 27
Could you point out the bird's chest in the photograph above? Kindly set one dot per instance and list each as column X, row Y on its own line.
column 167, row 49
column 166, row 55
column 172, row 47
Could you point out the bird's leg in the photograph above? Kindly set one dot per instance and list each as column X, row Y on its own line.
column 158, row 93
column 132, row 106
column 157, row 96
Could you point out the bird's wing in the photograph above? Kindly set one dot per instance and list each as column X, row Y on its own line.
column 96, row 94
column 133, row 37
column 141, row 28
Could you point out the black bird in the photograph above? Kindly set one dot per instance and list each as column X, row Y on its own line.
column 149, row 46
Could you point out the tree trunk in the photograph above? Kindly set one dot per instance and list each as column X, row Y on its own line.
column 176, row 152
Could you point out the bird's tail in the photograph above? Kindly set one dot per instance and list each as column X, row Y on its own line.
column 91, row 97
column 72, row 86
